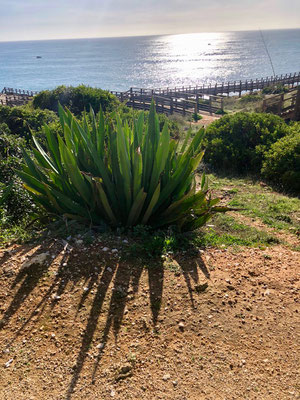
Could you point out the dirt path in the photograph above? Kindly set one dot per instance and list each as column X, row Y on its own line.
column 86, row 325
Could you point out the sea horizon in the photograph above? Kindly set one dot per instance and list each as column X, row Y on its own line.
column 168, row 60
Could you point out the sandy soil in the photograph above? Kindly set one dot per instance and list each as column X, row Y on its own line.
column 80, row 323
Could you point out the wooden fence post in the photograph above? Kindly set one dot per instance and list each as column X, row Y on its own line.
column 297, row 105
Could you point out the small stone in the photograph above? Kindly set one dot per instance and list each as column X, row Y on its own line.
column 8, row 363
column 125, row 369
column 114, row 250
column 85, row 289
column 166, row 377
column 175, row 383
column 40, row 259
column 112, row 393
column 109, row 269
column 230, row 287
column 125, row 241
column 100, row 346
column 181, row 325
column 202, row 287
column 105, row 249
column 79, row 242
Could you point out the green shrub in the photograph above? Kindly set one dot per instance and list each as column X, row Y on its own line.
column 20, row 120
column 275, row 89
column 196, row 117
column 282, row 163
column 77, row 99
column 237, row 142
column 14, row 200
column 250, row 98
column 119, row 174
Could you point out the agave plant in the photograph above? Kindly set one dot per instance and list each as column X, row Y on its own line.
column 105, row 171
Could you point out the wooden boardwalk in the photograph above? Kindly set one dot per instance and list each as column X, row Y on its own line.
column 181, row 100
column 193, row 99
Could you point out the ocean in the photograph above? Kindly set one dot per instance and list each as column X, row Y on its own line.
column 148, row 61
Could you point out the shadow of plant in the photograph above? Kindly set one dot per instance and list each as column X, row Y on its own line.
column 100, row 275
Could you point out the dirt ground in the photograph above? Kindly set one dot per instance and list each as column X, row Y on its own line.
column 78, row 322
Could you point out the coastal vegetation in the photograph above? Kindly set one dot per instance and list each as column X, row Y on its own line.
column 77, row 99
column 109, row 172
column 262, row 146
column 258, row 144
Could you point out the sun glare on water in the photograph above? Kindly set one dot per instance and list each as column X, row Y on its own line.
column 188, row 55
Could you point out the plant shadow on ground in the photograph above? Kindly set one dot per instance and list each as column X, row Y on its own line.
column 106, row 279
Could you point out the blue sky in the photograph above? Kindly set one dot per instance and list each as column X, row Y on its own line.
column 55, row 19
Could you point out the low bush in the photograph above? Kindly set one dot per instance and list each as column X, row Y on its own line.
column 196, row 117
column 20, row 120
column 250, row 98
column 237, row 143
column 77, row 99
column 282, row 163
column 14, row 199
column 275, row 89
column 119, row 174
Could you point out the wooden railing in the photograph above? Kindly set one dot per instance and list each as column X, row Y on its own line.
column 183, row 100
column 206, row 98
column 286, row 105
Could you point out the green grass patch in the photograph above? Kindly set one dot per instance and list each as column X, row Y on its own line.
column 261, row 202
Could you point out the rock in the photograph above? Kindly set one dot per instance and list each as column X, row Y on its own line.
column 166, row 377
column 181, row 326
column 201, row 287
column 105, row 248
column 112, row 393
column 39, row 259
column 114, row 250
column 125, row 241
column 109, row 269
column 125, row 369
column 124, row 372
column 175, row 383
column 79, row 242
column 100, row 346
column 8, row 363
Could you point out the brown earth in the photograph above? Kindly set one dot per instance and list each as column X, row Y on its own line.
column 84, row 324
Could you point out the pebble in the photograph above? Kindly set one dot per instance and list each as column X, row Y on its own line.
column 114, row 250
column 109, row 269
column 105, row 248
column 8, row 363
column 166, row 377
column 100, row 346
column 181, row 325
